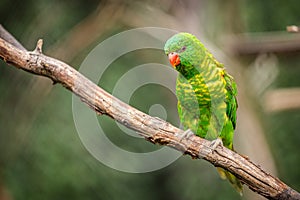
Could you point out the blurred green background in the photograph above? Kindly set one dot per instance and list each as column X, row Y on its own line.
column 41, row 154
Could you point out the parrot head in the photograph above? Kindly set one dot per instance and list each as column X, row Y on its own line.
column 185, row 53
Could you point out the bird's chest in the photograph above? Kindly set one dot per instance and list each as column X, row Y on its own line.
column 193, row 92
column 201, row 105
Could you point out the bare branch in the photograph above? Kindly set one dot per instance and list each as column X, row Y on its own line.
column 257, row 43
column 152, row 129
column 282, row 99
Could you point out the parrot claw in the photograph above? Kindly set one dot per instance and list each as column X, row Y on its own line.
column 215, row 143
column 186, row 134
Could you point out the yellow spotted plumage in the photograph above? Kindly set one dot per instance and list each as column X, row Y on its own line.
column 206, row 94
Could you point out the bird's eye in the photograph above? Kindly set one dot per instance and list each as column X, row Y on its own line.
column 182, row 49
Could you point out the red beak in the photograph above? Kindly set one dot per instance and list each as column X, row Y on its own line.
column 174, row 59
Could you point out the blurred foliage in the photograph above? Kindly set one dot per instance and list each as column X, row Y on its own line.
column 270, row 15
column 281, row 128
column 42, row 156
column 284, row 137
column 289, row 71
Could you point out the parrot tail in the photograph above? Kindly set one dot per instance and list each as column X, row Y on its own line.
column 235, row 182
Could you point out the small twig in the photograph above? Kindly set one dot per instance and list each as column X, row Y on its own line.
column 38, row 48
column 154, row 130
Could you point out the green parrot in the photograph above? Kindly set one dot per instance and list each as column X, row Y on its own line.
column 206, row 94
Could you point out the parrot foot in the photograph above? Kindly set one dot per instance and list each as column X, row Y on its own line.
column 186, row 134
column 215, row 143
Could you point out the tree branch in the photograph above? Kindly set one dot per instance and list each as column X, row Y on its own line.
column 152, row 129
column 282, row 99
column 257, row 43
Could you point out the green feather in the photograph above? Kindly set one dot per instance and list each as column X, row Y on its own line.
column 206, row 94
